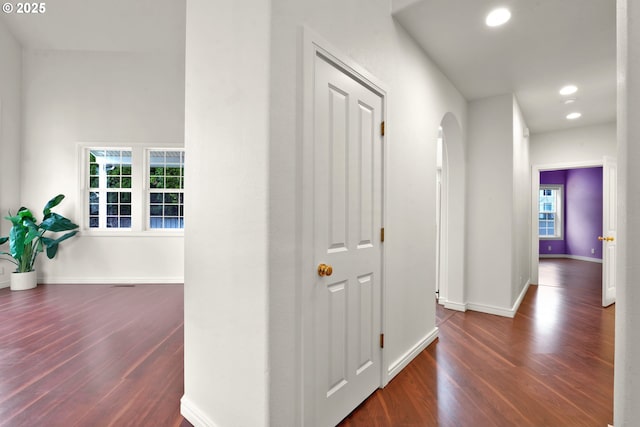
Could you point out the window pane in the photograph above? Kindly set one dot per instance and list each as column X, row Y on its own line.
column 173, row 182
column 112, row 197
column 108, row 170
column 125, row 197
column 166, row 169
column 549, row 211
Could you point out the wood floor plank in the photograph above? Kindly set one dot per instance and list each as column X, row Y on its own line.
column 551, row 365
column 93, row 355
column 103, row 355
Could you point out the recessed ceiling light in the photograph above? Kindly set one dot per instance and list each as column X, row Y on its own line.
column 498, row 17
column 568, row 90
column 573, row 116
column 570, row 101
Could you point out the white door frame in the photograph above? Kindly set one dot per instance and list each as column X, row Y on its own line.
column 312, row 46
column 535, row 188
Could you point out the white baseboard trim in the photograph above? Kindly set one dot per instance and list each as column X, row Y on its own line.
column 578, row 257
column 193, row 414
column 516, row 305
column 5, row 284
column 455, row 306
column 110, row 280
column 397, row 366
column 490, row 309
column 501, row 311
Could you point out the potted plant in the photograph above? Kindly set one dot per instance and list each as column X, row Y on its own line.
column 27, row 239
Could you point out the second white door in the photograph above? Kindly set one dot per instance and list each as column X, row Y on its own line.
column 347, row 222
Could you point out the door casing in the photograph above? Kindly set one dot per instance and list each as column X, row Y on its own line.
column 535, row 187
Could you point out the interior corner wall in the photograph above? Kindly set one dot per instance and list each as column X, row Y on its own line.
column 521, row 235
column 419, row 97
column 490, row 203
column 101, row 98
column 226, row 238
column 10, row 133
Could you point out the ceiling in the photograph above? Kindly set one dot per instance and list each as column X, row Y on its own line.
column 545, row 45
column 102, row 26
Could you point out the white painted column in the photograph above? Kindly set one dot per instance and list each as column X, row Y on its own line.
column 627, row 359
column 226, row 215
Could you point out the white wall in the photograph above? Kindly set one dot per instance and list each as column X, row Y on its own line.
column 626, row 410
column 581, row 144
column 498, row 206
column 73, row 97
column 226, row 282
column 10, row 125
column 490, row 202
column 419, row 97
column 521, row 242
column 228, row 99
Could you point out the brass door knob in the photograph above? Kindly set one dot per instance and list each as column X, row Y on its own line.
column 606, row 239
column 325, row 270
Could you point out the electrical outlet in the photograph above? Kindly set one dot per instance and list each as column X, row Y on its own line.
column 549, row 247
column 593, row 250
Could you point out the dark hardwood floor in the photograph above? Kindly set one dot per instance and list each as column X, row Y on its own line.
column 550, row 366
column 99, row 355
column 91, row 356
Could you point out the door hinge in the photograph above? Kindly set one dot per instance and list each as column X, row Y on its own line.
column 382, row 128
column 381, row 340
column 382, row 234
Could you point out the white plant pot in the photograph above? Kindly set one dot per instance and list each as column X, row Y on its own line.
column 24, row 281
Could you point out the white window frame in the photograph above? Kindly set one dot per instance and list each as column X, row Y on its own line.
column 139, row 177
column 149, row 190
column 559, row 213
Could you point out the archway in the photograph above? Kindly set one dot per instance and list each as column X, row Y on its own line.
column 451, row 214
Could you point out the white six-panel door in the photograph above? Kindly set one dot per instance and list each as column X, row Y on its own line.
column 609, row 230
column 347, row 222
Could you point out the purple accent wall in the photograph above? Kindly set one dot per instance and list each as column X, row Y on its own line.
column 583, row 212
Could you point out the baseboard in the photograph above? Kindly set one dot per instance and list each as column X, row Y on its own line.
column 501, row 311
column 111, row 280
column 193, row 414
column 455, row 306
column 5, row 284
column 516, row 305
column 578, row 257
column 491, row 309
column 397, row 366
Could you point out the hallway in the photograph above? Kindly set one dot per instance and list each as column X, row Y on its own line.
column 552, row 365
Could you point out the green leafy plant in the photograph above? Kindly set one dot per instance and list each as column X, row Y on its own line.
column 27, row 237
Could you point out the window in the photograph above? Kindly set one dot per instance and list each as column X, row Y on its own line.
column 133, row 189
column 109, row 188
column 166, row 189
column 550, row 212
